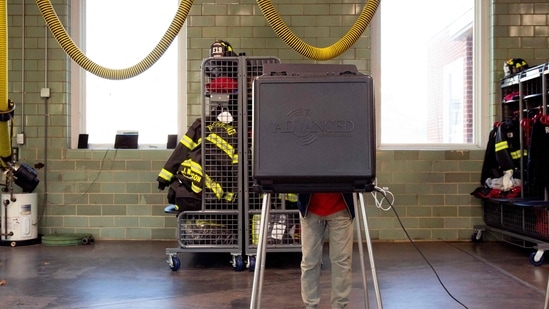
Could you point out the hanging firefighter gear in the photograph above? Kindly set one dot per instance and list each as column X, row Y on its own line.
column 184, row 172
column 189, row 142
column 507, row 146
column 500, row 176
column 538, row 165
column 490, row 166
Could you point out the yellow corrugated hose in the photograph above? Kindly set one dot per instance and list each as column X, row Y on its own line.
column 269, row 12
column 312, row 52
column 68, row 45
column 5, row 108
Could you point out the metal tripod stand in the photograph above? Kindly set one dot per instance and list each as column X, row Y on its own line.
column 257, row 288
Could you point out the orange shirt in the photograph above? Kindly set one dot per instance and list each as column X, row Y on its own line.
column 325, row 204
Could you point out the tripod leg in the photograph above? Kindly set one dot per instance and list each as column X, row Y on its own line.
column 361, row 251
column 370, row 253
column 257, row 287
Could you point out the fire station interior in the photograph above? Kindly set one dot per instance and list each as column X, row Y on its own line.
column 274, row 99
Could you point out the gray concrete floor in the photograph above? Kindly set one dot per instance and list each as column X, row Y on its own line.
column 134, row 274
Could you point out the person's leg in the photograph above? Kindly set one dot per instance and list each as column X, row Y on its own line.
column 312, row 240
column 340, row 228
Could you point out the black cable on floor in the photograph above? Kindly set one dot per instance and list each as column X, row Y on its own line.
column 384, row 193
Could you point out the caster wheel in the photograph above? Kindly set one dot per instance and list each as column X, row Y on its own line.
column 252, row 263
column 476, row 237
column 175, row 263
column 533, row 259
column 239, row 263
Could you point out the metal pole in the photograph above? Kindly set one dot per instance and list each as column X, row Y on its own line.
column 370, row 252
column 257, row 287
column 361, row 251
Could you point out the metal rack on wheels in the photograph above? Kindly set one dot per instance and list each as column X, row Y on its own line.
column 521, row 219
column 283, row 223
column 216, row 226
column 207, row 231
column 225, row 138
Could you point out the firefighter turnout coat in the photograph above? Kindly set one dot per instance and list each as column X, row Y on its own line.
column 184, row 170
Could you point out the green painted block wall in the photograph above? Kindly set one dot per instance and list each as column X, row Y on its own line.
column 113, row 193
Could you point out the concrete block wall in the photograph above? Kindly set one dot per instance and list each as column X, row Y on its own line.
column 112, row 193
column 520, row 30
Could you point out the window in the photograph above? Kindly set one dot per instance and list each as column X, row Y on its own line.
column 429, row 73
column 116, row 35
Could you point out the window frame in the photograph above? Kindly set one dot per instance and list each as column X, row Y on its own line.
column 481, row 84
column 78, row 84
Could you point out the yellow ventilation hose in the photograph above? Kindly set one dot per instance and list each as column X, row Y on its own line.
column 60, row 34
column 269, row 12
column 316, row 53
column 5, row 108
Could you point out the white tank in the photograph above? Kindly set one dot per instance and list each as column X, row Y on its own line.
column 20, row 218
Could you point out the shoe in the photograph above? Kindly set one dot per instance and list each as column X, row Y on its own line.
column 484, row 192
column 481, row 192
column 171, row 209
column 494, row 193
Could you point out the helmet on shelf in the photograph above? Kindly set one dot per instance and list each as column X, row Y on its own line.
column 514, row 65
column 221, row 48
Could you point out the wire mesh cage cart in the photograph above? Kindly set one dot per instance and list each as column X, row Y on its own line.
column 518, row 210
column 284, row 219
column 218, row 225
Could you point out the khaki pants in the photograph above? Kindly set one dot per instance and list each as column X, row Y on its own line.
column 339, row 227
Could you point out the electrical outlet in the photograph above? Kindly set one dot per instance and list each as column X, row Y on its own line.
column 20, row 139
column 45, row 93
column 15, row 154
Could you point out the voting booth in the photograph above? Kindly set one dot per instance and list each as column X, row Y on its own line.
column 313, row 129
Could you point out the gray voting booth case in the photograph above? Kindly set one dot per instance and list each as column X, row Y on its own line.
column 313, row 131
